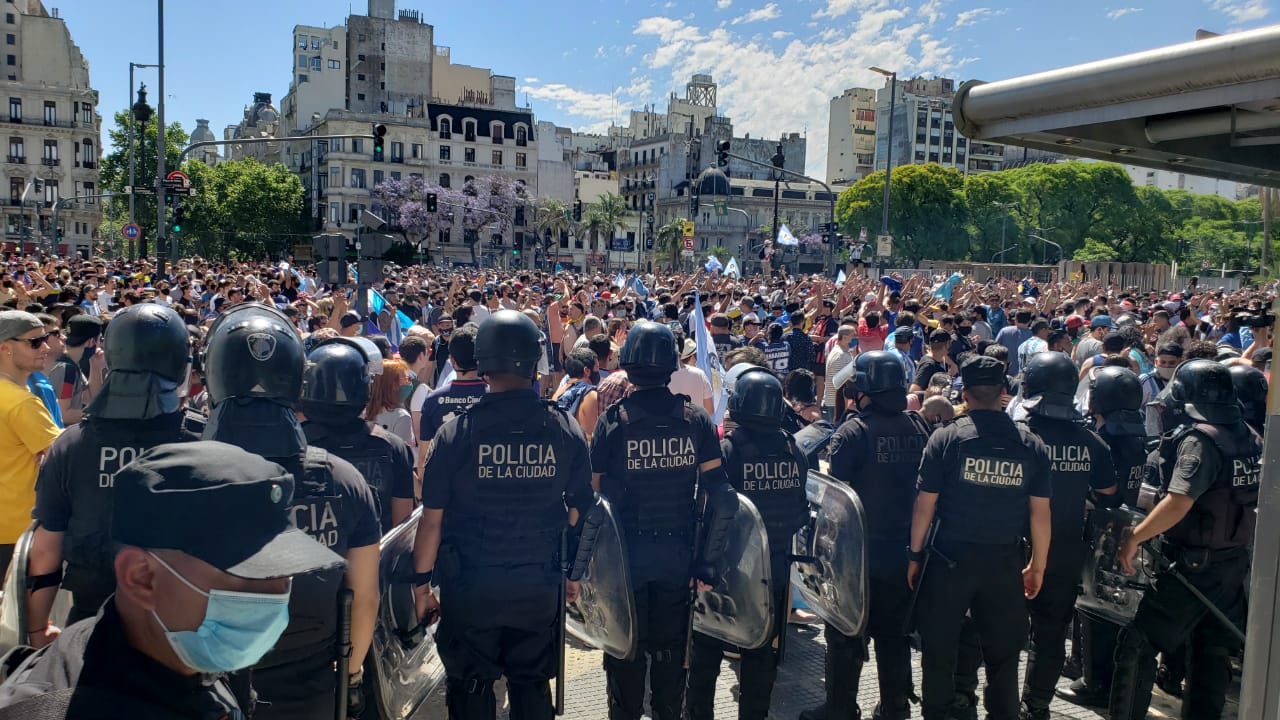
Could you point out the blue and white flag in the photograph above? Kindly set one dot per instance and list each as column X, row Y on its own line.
column 785, row 237
column 639, row 287
column 619, row 281
column 943, row 291
column 731, row 268
column 712, row 264
column 840, row 278
column 708, row 359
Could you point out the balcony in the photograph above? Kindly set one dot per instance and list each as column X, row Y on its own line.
column 18, row 159
column 89, row 165
column 50, row 162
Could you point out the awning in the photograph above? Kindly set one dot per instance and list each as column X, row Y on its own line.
column 1207, row 107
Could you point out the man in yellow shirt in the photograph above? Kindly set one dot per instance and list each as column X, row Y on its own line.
column 26, row 428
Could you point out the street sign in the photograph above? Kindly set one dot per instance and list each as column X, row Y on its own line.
column 688, row 230
column 130, row 190
column 622, row 244
column 302, row 253
column 722, row 208
column 177, row 187
column 651, row 196
column 131, row 231
column 180, row 176
column 884, row 245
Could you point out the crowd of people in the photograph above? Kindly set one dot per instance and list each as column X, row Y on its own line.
column 503, row 402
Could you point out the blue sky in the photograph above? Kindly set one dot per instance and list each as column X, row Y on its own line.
column 584, row 63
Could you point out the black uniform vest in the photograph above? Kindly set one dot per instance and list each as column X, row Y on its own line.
column 1129, row 457
column 885, row 480
column 987, row 501
column 1223, row 517
column 368, row 452
column 517, row 469
column 1071, row 467
column 770, row 471
column 653, row 480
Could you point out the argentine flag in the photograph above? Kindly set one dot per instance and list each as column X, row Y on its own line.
column 785, row 237
column 708, row 359
column 731, row 268
column 712, row 264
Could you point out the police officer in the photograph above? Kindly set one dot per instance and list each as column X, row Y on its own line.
column 335, row 390
column 454, row 397
column 148, row 356
column 980, row 477
column 650, row 453
column 1115, row 408
column 503, row 481
column 877, row 451
column 254, row 362
column 764, row 464
column 1209, row 473
column 1080, row 463
column 1251, row 388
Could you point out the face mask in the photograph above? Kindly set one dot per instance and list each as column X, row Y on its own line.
column 963, row 330
column 1165, row 373
column 405, row 392
column 238, row 628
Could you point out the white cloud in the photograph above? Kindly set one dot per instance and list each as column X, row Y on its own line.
column 931, row 10
column 970, row 17
column 768, row 12
column 839, row 8
column 722, row 4
column 1241, row 11
column 600, row 52
column 532, row 80
column 1121, row 12
column 779, row 34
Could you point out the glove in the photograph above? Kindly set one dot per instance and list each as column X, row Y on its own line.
column 355, row 696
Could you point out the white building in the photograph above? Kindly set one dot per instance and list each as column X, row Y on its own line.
column 851, row 136
column 1169, row 180
column 53, row 130
column 319, row 80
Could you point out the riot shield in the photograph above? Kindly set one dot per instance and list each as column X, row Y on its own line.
column 402, row 668
column 604, row 615
column 813, row 439
column 13, row 602
column 832, row 574
column 739, row 609
column 1108, row 591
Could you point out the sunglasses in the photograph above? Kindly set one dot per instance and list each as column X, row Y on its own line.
column 34, row 342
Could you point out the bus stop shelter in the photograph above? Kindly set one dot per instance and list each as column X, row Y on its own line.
column 1207, row 107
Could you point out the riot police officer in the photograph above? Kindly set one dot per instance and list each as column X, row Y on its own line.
column 877, row 451
column 254, row 363
column 504, row 479
column 1115, row 407
column 335, row 390
column 980, row 477
column 650, row 453
column 1251, row 388
column 1080, row 464
column 1209, row 473
column 148, row 354
column 764, row 465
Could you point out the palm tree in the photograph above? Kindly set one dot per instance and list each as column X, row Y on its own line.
column 553, row 216
column 608, row 213
column 670, row 241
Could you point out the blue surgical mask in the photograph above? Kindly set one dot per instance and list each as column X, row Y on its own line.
column 405, row 392
column 238, row 628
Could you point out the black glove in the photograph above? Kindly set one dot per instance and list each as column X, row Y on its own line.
column 355, row 696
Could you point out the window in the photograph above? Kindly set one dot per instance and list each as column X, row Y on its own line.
column 495, row 133
column 360, row 96
column 353, row 211
column 302, row 42
column 469, row 131
column 497, row 157
column 303, row 62
column 521, row 160
column 522, row 136
column 357, row 145
column 10, row 60
column 360, row 58
column 382, row 86
column 88, row 190
column 446, row 128
column 357, row 178
column 315, row 42
column 416, row 150
column 469, row 155
column 12, row 224
column 303, row 78
column 10, row 39
column 17, row 150
column 16, row 186
column 316, row 63
column 444, row 236
column 446, row 152
column 8, row 17
column 395, row 174
column 86, row 113
column 444, row 180
column 50, row 152
column 323, row 182
column 335, row 177
column 335, row 213
column 15, row 110
column 397, row 152
column 377, row 178
column 360, row 77
column 50, row 192
column 50, row 112
column 335, row 65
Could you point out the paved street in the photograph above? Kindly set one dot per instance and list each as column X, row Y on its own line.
column 799, row 687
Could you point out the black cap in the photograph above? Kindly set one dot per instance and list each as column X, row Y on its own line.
column 980, row 370
column 83, row 328
column 218, row 503
column 349, row 318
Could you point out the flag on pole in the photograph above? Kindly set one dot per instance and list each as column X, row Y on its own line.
column 640, row 289
column 712, row 264
column 619, row 281
column 708, row 359
column 785, row 237
column 840, row 278
column 731, row 268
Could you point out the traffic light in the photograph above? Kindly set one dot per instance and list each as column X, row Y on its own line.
column 693, row 206
column 577, row 211
column 379, row 132
column 722, row 153
column 179, row 213
column 431, row 202
column 168, row 196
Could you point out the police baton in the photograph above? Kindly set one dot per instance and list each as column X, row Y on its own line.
column 1171, row 568
column 693, row 583
column 561, row 620
column 908, row 623
column 344, row 654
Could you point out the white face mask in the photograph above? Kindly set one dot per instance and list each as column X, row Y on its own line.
column 1165, row 373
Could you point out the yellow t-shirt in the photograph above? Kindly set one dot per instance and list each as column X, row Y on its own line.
column 26, row 430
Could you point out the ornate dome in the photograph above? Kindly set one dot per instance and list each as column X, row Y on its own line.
column 202, row 133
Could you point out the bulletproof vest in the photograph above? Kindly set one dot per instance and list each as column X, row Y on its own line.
column 367, row 449
column 654, row 478
column 1129, row 456
column 885, row 480
column 1071, row 463
column 313, row 603
column 508, row 509
column 1223, row 517
column 103, row 447
column 769, row 470
column 987, row 501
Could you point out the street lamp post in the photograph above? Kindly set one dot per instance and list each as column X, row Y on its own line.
column 140, row 111
column 888, row 153
column 1044, row 258
column 1004, row 221
column 162, row 244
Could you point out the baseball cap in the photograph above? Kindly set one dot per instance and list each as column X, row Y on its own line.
column 13, row 323
column 1074, row 321
column 83, row 328
column 218, row 503
column 980, row 370
column 720, row 320
column 903, row 333
column 1101, row 321
column 349, row 318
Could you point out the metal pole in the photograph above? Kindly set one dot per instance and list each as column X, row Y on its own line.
column 888, row 154
column 162, row 240
column 1003, row 223
column 131, row 141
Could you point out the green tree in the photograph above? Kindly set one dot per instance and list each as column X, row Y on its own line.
column 1071, row 201
column 991, row 202
column 114, row 172
column 243, row 208
column 601, row 218
column 669, row 241
column 927, row 211
column 552, row 216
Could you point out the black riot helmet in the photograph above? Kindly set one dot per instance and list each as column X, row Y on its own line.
column 252, row 351
column 880, row 375
column 336, row 378
column 508, row 343
column 148, row 353
column 1205, row 388
column 1049, row 386
column 757, row 398
column 1113, row 389
column 649, row 354
column 1251, row 388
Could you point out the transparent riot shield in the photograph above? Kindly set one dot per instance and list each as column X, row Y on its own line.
column 604, row 615
column 1108, row 591
column 13, row 602
column 403, row 668
column 832, row 577
column 739, row 609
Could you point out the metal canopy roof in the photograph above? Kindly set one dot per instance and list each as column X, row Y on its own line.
column 1206, row 107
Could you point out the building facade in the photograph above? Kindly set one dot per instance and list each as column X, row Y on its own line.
column 851, row 136
column 53, row 130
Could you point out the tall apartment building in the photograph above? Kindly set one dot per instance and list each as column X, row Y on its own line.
column 851, row 136
column 53, row 130
column 924, row 130
column 319, row 79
